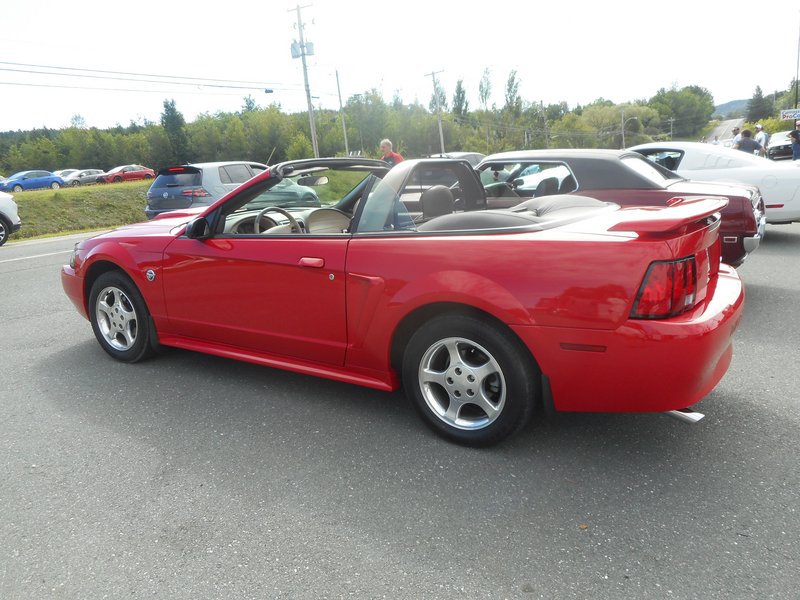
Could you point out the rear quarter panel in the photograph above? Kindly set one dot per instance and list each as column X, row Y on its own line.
column 563, row 280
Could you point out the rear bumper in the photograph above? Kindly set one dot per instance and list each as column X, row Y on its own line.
column 644, row 366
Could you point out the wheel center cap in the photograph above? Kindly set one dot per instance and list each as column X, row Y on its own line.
column 461, row 382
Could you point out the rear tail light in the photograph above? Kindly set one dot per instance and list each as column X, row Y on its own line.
column 669, row 288
column 195, row 193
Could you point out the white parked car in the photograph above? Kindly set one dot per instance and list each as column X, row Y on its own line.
column 779, row 182
column 9, row 218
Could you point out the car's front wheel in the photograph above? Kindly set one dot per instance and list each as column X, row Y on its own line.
column 17, row 188
column 117, row 179
column 470, row 381
column 75, row 183
column 120, row 319
column 55, row 185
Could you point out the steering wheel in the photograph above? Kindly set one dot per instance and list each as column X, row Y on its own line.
column 295, row 226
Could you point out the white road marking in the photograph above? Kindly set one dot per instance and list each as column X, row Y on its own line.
column 8, row 260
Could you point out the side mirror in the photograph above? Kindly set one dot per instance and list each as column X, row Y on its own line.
column 198, row 229
column 518, row 182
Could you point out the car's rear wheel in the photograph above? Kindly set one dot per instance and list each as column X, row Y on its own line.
column 148, row 176
column 55, row 185
column 120, row 319
column 16, row 188
column 5, row 231
column 470, row 381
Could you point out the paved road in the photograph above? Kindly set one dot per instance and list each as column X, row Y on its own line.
column 195, row 477
column 724, row 130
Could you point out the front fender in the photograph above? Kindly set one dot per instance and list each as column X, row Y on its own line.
column 130, row 258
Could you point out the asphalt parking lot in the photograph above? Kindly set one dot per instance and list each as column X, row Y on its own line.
column 191, row 476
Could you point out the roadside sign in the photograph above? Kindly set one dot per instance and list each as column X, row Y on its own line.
column 792, row 113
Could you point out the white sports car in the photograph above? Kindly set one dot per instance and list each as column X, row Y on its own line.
column 779, row 182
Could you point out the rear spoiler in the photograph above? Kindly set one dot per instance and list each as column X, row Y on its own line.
column 679, row 213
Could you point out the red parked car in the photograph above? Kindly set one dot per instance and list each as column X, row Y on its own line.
column 126, row 173
column 574, row 305
column 626, row 178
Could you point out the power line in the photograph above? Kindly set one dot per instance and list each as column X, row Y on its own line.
column 132, row 79
column 59, row 68
column 107, row 89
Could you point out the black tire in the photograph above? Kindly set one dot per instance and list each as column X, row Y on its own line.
column 17, row 188
column 5, row 231
column 120, row 318
column 55, row 186
column 146, row 177
column 486, row 395
column 75, row 182
column 117, row 179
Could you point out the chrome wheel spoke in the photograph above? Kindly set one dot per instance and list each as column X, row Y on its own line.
column 431, row 376
column 453, row 411
column 486, row 370
column 487, row 406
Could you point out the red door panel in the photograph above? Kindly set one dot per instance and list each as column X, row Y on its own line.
column 283, row 296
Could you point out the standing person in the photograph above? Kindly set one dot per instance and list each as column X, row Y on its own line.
column 716, row 140
column 748, row 144
column 388, row 155
column 736, row 135
column 762, row 137
column 794, row 135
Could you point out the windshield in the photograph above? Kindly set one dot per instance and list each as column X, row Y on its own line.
column 383, row 209
column 647, row 169
column 309, row 189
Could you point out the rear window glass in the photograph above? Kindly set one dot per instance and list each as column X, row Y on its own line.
column 234, row 174
column 180, row 179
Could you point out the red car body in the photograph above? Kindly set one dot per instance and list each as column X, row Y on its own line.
column 620, row 176
column 344, row 305
column 126, row 173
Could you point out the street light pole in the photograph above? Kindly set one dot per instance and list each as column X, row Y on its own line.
column 625, row 122
column 438, row 108
column 302, row 52
column 341, row 114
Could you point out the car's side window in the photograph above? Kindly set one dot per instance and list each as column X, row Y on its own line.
column 235, row 173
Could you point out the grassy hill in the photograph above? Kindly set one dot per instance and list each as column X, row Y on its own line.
column 81, row 208
column 730, row 110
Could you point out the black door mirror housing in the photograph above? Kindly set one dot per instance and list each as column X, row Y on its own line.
column 198, row 229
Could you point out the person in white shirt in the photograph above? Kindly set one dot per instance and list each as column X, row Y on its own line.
column 762, row 137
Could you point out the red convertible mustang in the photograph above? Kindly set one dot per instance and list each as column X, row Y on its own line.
column 481, row 314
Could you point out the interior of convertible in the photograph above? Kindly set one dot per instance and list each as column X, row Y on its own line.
column 423, row 196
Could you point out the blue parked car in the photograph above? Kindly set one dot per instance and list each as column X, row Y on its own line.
column 31, row 180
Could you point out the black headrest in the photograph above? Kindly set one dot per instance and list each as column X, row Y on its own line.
column 436, row 201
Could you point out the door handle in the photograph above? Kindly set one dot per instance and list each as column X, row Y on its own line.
column 310, row 261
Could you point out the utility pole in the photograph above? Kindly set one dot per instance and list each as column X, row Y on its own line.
column 438, row 106
column 623, row 128
column 671, row 121
column 302, row 50
column 341, row 113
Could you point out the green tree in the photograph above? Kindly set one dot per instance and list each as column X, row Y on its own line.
column 438, row 95
column 299, row 147
column 485, row 89
column 513, row 104
column 690, row 108
column 460, row 103
column 759, row 107
column 175, row 127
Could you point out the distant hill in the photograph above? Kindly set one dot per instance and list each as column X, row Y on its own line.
column 734, row 108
